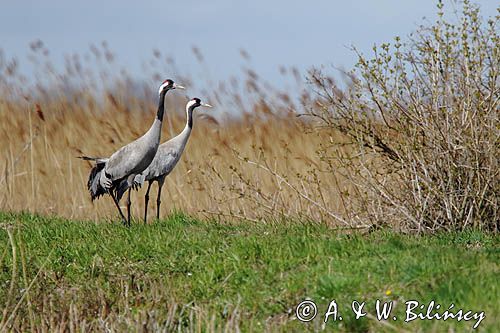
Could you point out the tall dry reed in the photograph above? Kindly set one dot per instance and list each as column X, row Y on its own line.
column 251, row 158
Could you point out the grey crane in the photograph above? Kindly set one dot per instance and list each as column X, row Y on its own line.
column 166, row 158
column 112, row 175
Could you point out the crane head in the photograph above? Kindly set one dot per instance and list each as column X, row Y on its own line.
column 168, row 85
column 196, row 102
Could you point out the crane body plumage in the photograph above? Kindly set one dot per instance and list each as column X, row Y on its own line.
column 111, row 175
column 166, row 158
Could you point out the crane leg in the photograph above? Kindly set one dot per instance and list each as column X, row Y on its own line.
column 119, row 209
column 158, row 201
column 128, row 206
column 146, row 200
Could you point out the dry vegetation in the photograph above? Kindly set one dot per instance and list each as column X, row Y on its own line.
column 423, row 118
column 255, row 164
column 412, row 141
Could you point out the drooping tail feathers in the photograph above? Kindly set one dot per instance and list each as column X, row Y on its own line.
column 120, row 189
column 124, row 185
column 93, row 184
column 117, row 188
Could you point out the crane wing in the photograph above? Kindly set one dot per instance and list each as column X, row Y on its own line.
column 127, row 160
column 163, row 163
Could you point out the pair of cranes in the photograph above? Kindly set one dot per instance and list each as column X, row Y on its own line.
column 141, row 160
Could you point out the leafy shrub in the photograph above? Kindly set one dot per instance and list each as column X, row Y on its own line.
column 423, row 119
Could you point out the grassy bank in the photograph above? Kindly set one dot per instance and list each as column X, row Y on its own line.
column 207, row 276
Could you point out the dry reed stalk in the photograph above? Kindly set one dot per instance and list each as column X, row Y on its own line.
column 205, row 181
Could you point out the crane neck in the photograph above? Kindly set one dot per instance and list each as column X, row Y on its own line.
column 186, row 132
column 161, row 106
column 155, row 129
column 182, row 138
column 189, row 116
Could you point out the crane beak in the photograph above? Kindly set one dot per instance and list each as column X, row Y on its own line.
column 206, row 105
column 178, row 86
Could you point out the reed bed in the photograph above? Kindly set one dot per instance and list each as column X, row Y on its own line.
column 250, row 158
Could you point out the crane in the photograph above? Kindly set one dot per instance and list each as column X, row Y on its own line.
column 166, row 158
column 109, row 175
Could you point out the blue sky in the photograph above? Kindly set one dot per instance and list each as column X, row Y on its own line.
column 290, row 33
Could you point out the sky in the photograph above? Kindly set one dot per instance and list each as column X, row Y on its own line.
column 299, row 34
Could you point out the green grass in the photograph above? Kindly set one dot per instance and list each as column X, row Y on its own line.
column 208, row 276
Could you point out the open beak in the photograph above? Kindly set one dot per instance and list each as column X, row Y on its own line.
column 178, row 86
column 206, row 105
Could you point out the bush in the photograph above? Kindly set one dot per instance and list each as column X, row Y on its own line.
column 423, row 119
